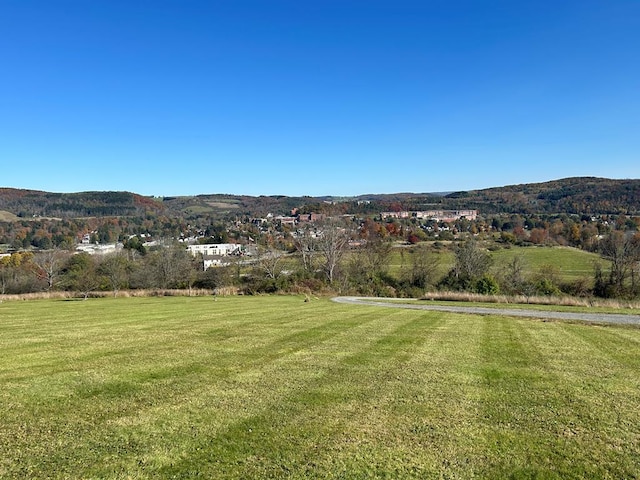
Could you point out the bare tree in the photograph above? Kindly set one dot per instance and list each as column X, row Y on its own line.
column 377, row 252
column 423, row 268
column 193, row 268
column 623, row 251
column 332, row 244
column 306, row 245
column 115, row 268
column 269, row 261
column 185, row 268
column 48, row 265
column 367, row 265
column 513, row 276
column 5, row 275
column 471, row 261
column 171, row 267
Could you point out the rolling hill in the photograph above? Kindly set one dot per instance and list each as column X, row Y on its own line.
column 578, row 195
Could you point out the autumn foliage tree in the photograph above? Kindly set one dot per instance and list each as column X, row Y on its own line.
column 16, row 273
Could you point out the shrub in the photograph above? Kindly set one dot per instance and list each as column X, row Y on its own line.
column 545, row 286
column 487, row 285
column 578, row 288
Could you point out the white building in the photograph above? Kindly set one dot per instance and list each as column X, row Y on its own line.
column 93, row 249
column 439, row 215
column 213, row 249
column 216, row 262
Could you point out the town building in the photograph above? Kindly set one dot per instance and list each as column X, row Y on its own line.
column 438, row 215
column 214, row 249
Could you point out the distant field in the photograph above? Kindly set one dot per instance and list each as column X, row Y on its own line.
column 199, row 209
column 231, row 204
column 212, row 207
column 273, row 387
column 401, row 259
column 7, row 216
column 572, row 263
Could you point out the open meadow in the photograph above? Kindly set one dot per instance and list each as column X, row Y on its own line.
column 571, row 263
column 275, row 387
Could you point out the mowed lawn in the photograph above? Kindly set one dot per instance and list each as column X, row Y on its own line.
column 273, row 387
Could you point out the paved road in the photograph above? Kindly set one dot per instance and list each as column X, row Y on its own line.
column 582, row 317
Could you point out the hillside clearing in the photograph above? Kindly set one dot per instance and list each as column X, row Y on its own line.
column 8, row 216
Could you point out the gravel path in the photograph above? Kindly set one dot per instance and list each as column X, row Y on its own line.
column 582, row 317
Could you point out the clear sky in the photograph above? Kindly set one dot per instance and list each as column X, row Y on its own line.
column 316, row 97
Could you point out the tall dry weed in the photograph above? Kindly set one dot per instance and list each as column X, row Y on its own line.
column 59, row 295
column 534, row 300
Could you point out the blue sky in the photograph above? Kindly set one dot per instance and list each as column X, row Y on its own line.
column 181, row 97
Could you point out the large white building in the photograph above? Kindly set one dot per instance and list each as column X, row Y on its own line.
column 439, row 215
column 95, row 249
column 213, row 253
column 210, row 249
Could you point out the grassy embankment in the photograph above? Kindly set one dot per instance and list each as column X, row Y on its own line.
column 273, row 387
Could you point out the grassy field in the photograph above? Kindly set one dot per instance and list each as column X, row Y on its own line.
column 572, row 263
column 273, row 387
column 400, row 260
column 7, row 216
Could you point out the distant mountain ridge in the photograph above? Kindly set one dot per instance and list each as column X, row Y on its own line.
column 576, row 195
column 29, row 203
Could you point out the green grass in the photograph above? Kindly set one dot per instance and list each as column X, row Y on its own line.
column 572, row 263
column 273, row 387
column 400, row 259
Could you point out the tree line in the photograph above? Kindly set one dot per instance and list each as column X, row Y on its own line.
column 340, row 255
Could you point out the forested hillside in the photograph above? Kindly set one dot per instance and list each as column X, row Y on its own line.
column 30, row 203
column 580, row 195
